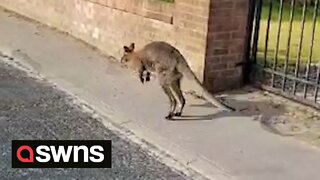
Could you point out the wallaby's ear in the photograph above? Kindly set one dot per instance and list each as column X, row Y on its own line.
column 132, row 45
column 127, row 49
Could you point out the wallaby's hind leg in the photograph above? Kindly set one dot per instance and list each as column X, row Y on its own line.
column 176, row 88
column 173, row 102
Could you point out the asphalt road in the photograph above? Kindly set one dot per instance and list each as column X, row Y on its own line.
column 33, row 110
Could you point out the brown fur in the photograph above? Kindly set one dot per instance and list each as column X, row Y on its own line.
column 170, row 66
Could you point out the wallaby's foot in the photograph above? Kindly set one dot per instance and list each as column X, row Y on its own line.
column 228, row 109
column 169, row 117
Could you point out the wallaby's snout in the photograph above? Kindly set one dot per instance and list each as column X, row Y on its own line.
column 123, row 59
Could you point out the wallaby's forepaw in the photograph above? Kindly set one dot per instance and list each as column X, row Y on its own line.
column 148, row 79
column 142, row 80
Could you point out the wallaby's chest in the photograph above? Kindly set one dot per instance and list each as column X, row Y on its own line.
column 149, row 65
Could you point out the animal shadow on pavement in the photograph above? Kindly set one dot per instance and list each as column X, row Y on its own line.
column 208, row 117
column 265, row 112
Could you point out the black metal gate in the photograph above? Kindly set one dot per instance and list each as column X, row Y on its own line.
column 284, row 53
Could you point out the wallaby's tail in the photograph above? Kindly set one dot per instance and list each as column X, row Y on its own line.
column 185, row 69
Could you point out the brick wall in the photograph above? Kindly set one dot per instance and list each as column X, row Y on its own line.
column 226, row 44
column 210, row 48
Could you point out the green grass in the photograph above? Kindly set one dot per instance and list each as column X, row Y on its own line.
column 295, row 36
column 286, row 11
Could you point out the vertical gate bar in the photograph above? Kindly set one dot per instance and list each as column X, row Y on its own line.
column 275, row 61
column 300, row 45
column 315, row 13
column 318, row 74
column 288, row 44
column 318, row 81
column 256, row 30
column 247, row 68
column 253, row 31
column 267, row 34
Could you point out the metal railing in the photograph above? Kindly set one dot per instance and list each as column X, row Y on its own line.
column 285, row 48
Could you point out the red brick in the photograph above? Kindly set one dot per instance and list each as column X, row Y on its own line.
column 181, row 7
column 219, row 36
column 238, row 35
column 218, row 66
column 186, row 32
column 192, row 17
column 230, row 73
column 237, row 48
column 230, row 58
column 212, row 59
column 228, row 4
column 224, row 44
column 192, row 48
column 221, row 51
column 192, row 25
column 197, row 3
column 222, row 13
column 158, row 16
column 158, row 6
column 242, row 5
column 221, row 25
column 215, row 74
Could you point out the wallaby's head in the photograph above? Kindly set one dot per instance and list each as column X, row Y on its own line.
column 129, row 55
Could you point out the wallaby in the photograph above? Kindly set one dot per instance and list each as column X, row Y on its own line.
column 170, row 66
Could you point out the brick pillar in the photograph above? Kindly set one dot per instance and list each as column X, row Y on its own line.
column 226, row 42
column 191, row 26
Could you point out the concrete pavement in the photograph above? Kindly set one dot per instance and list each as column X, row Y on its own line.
column 31, row 109
column 219, row 146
